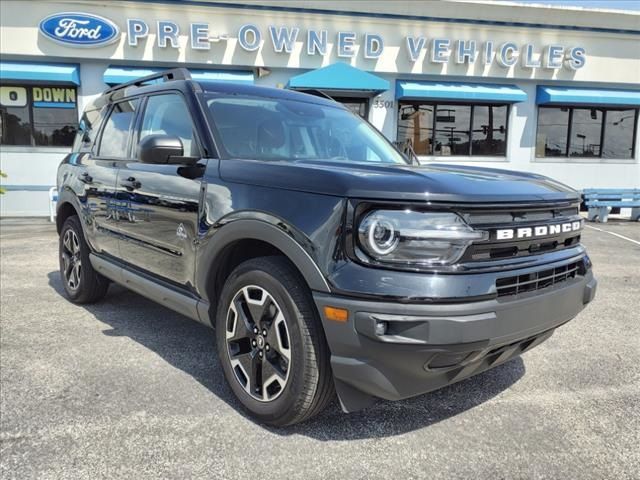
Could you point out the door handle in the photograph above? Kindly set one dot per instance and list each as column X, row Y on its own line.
column 131, row 184
column 86, row 178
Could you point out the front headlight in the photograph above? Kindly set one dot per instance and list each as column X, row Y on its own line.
column 416, row 238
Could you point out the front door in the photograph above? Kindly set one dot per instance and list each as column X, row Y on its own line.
column 159, row 232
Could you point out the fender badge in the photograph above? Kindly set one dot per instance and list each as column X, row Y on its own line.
column 181, row 232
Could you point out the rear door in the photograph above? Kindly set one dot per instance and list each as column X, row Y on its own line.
column 99, row 176
column 160, row 233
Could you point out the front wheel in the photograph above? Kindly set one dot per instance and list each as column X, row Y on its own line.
column 271, row 343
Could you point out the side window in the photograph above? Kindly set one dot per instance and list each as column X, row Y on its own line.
column 117, row 130
column 88, row 129
column 169, row 115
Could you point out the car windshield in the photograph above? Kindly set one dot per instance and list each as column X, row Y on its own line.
column 275, row 129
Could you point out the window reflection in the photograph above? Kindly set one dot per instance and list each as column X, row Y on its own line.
column 38, row 115
column 88, row 128
column 54, row 127
column 618, row 133
column 169, row 115
column 115, row 135
column 551, row 139
column 415, row 127
column 15, row 126
column 586, row 127
column 453, row 123
column 459, row 129
column 489, row 135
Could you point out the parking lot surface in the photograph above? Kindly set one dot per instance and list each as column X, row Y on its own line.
column 128, row 389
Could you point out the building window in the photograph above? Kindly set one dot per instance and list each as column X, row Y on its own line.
column 454, row 129
column 359, row 106
column 38, row 115
column 619, row 133
column 580, row 132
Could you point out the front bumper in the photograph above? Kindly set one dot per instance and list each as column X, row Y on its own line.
column 395, row 351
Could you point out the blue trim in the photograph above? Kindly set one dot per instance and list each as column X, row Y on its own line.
column 115, row 75
column 611, row 191
column 27, row 188
column 47, row 72
column 54, row 105
column 339, row 76
column 393, row 16
column 475, row 92
column 549, row 95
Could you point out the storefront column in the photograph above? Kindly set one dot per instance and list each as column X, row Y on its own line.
column 91, row 84
column 382, row 112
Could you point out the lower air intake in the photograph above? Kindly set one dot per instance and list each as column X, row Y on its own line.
column 537, row 280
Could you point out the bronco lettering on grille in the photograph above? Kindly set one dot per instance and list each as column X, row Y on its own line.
column 538, row 231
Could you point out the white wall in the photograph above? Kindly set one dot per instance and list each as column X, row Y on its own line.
column 33, row 168
column 613, row 61
column 613, row 58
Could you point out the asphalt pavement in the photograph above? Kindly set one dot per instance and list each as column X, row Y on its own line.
column 128, row 389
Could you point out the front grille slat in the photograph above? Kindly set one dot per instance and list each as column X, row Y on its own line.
column 534, row 281
column 494, row 248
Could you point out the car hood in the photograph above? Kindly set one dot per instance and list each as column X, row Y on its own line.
column 439, row 182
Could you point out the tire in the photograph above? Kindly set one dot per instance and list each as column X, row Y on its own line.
column 294, row 383
column 81, row 282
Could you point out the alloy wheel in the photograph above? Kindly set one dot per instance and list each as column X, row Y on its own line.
column 71, row 261
column 258, row 343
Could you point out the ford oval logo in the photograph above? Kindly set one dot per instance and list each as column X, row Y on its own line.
column 79, row 29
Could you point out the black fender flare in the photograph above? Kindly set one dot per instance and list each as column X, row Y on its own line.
column 253, row 229
column 68, row 196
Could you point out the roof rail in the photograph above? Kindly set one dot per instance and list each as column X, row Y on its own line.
column 165, row 75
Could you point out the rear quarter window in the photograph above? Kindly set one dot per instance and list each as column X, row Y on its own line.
column 88, row 129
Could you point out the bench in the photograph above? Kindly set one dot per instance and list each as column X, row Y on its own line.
column 599, row 200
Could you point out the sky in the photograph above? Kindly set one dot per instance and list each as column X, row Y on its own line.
column 608, row 4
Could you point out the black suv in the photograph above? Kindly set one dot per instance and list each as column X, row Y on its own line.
column 326, row 260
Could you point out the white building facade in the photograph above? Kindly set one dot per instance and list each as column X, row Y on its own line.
column 549, row 90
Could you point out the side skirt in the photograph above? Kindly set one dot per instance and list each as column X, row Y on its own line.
column 194, row 308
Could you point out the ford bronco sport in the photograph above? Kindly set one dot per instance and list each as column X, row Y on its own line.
column 326, row 261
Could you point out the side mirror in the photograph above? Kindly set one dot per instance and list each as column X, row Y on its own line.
column 159, row 149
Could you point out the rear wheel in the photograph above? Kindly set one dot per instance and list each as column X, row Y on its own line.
column 271, row 343
column 81, row 282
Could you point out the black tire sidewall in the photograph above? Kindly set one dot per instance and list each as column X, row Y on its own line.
column 86, row 273
column 283, row 405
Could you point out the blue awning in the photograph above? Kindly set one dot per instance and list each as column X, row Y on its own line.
column 115, row 75
column 339, row 76
column 47, row 72
column 587, row 96
column 475, row 92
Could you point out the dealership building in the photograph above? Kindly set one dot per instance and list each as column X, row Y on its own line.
column 549, row 90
